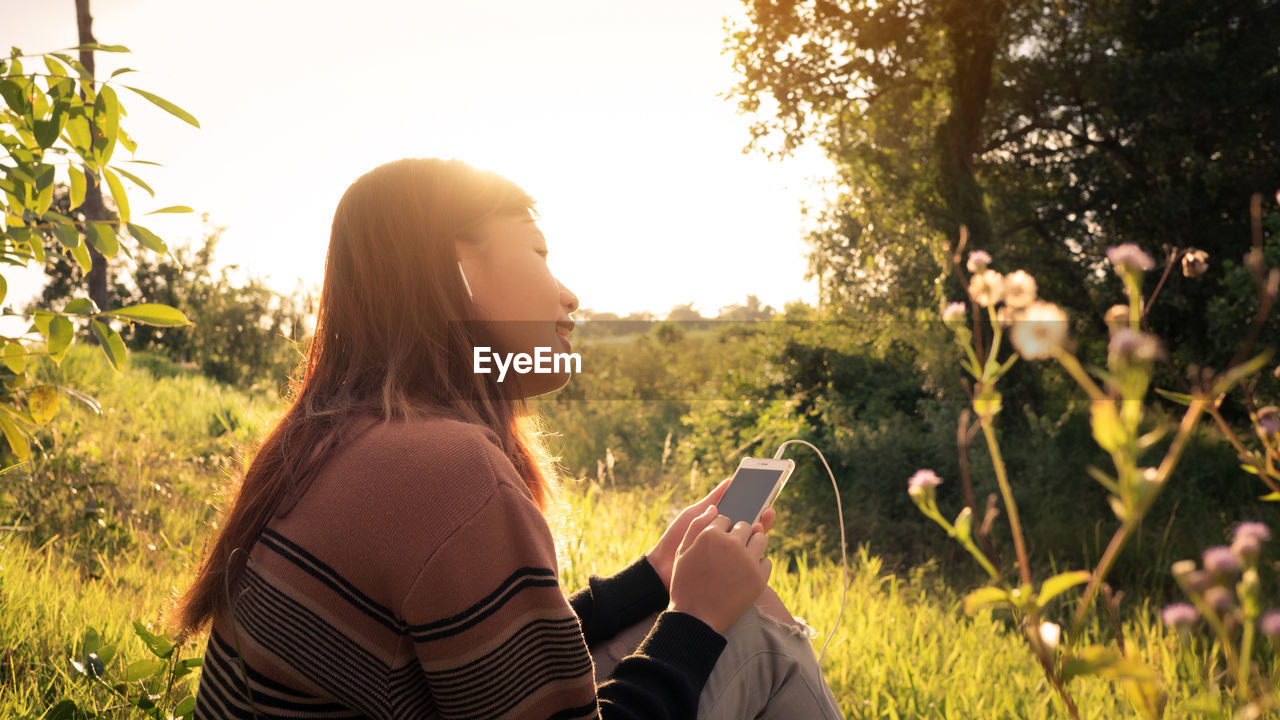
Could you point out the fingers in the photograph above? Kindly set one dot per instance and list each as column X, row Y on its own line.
column 766, row 519
column 757, row 544
column 698, row 524
column 741, row 532
column 719, row 491
column 766, row 569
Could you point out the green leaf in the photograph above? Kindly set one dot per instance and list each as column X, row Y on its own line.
column 1059, row 584
column 143, row 669
column 112, row 345
column 167, row 106
column 106, row 653
column 185, row 709
column 1107, row 663
column 67, row 235
column 36, row 243
column 81, row 306
column 106, row 117
column 14, row 357
column 136, row 181
column 43, row 200
column 1224, row 382
column 172, row 209
column 42, row 402
column 984, row 598
column 55, row 68
column 129, row 145
column 1180, row 398
column 17, row 441
column 149, row 240
column 184, row 667
column 157, row 644
column 78, row 186
column 80, row 69
column 1271, row 497
column 122, row 71
column 1088, row 661
column 4, row 289
column 60, row 334
column 103, row 236
column 100, row 48
column 78, row 136
column 151, row 314
column 92, row 640
column 46, row 131
column 14, row 97
column 80, row 254
column 65, row 709
column 117, row 194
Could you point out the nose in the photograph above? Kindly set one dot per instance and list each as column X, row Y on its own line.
column 567, row 298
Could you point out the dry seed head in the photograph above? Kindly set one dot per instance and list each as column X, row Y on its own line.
column 1019, row 289
column 1194, row 262
column 1039, row 330
column 986, row 288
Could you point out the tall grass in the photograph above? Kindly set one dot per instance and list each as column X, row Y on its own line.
column 156, row 460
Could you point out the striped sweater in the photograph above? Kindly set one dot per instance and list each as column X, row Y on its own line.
column 416, row 578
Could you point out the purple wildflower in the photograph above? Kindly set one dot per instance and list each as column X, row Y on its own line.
column 1252, row 528
column 1269, row 419
column 1219, row 560
column 1128, row 256
column 1179, row 615
column 921, row 480
column 1270, row 623
column 978, row 261
column 1220, row 599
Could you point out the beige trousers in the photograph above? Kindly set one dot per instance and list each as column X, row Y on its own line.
column 768, row 671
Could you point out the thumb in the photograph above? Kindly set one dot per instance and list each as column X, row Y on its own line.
column 699, row 524
column 714, row 496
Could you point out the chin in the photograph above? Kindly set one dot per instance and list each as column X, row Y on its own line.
column 540, row 384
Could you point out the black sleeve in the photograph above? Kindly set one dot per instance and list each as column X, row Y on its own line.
column 609, row 604
column 664, row 677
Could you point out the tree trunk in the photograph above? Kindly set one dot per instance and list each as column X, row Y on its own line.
column 93, row 207
column 974, row 30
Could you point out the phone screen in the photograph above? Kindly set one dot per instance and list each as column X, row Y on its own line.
column 747, row 493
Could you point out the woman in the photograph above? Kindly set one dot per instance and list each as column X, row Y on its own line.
column 387, row 555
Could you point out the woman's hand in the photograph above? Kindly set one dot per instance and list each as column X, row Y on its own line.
column 663, row 555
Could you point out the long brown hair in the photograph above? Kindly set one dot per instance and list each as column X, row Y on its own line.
column 394, row 336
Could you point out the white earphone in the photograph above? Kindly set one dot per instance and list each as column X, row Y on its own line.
column 465, row 284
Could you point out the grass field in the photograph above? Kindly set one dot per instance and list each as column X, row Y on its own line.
column 126, row 501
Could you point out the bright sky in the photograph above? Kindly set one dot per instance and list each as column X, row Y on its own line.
column 607, row 113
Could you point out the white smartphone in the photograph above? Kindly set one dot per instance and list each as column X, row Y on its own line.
column 754, row 486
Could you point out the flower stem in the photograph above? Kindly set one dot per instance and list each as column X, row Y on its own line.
column 1244, row 666
column 1011, row 507
column 1072, row 366
column 1131, row 523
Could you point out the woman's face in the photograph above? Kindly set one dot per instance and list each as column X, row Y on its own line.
column 522, row 303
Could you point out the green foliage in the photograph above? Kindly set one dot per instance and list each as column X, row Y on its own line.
column 1050, row 129
column 243, row 331
column 59, row 118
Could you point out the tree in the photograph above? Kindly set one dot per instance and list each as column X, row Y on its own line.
column 749, row 312
column 1049, row 129
column 93, row 207
column 64, row 118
